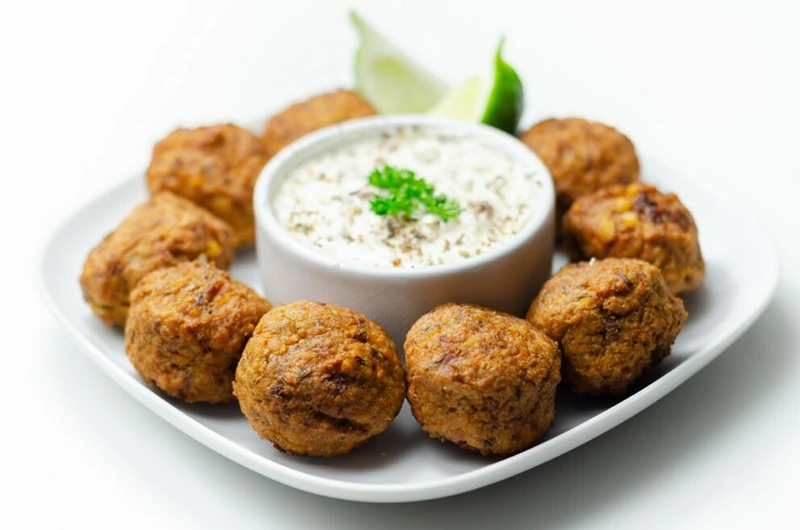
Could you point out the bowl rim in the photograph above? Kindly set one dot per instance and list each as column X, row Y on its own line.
column 352, row 131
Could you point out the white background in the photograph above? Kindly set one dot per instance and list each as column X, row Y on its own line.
column 86, row 88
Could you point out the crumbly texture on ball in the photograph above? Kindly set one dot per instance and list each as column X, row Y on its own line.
column 312, row 114
column 187, row 328
column 164, row 231
column 614, row 319
column 582, row 156
column 318, row 379
column 637, row 221
column 481, row 379
column 215, row 167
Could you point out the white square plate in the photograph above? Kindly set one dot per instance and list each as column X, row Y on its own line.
column 404, row 464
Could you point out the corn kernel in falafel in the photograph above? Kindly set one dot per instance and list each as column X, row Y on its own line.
column 162, row 232
column 637, row 221
column 215, row 167
column 582, row 157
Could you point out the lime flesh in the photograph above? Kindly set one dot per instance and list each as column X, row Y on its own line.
column 386, row 77
column 465, row 102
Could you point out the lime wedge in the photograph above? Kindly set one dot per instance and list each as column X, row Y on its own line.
column 495, row 99
column 390, row 80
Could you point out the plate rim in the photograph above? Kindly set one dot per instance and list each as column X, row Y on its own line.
column 410, row 492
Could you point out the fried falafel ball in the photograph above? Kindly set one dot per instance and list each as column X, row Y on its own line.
column 614, row 320
column 312, row 114
column 582, row 157
column 216, row 168
column 637, row 221
column 187, row 328
column 164, row 231
column 318, row 379
column 482, row 379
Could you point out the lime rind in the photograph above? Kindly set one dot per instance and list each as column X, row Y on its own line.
column 388, row 78
column 496, row 99
column 506, row 102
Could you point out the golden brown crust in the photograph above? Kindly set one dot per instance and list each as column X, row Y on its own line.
column 164, row 231
column 187, row 328
column 215, row 167
column 308, row 116
column 637, row 221
column 480, row 378
column 582, row 156
column 318, row 379
column 613, row 319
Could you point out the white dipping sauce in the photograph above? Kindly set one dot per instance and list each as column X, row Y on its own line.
column 325, row 202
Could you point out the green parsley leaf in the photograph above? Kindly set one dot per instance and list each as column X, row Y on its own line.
column 407, row 193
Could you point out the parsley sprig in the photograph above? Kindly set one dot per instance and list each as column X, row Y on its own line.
column 407, row 193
